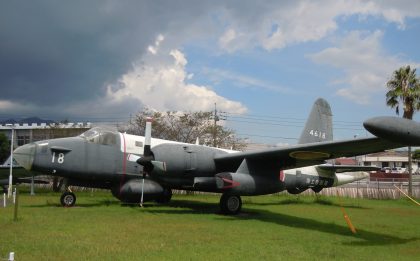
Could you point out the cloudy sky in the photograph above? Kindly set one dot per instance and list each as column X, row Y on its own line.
column 263, row 62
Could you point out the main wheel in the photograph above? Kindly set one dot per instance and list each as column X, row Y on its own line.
column 68, row 199
column 230, row 204
column 165, row 197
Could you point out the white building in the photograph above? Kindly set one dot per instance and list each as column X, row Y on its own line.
column 27, row 133
column 391, row 161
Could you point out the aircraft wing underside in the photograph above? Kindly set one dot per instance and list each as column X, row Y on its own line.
column 304, row 154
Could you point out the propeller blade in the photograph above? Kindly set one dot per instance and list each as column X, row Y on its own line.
column 148, row 138
column 146, row 160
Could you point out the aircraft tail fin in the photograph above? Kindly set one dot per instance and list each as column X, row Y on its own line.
column 318, row 127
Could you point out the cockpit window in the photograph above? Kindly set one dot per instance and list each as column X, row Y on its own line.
column 100, row 136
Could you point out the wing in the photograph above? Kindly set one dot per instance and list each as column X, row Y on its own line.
column 267, row 161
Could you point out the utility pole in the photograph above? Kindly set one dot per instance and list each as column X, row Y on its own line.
column 410, row 173
column 216, row 119
column 9, row 191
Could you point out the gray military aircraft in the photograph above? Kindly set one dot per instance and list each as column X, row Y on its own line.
column 20, row 175
column 138, row 169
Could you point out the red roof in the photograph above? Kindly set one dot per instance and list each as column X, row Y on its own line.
column 345, row 161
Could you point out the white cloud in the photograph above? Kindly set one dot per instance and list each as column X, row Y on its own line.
column 159, row 82
column 153, row 49
column 243, row 81
column 280, row 24
column 226, row 39
column 365, row 65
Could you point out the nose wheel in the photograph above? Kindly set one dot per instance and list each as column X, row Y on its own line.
column 68, row 199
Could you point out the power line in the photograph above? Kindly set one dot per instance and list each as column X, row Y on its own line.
column 265, row 136
column 279, row 118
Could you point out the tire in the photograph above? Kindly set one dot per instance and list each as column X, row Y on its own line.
column 68, row 199
column 230, row 204
column 165, row 197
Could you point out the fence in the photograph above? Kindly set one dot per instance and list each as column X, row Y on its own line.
column 380, row 188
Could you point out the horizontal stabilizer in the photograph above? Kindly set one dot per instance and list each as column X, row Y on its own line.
column 347, row 168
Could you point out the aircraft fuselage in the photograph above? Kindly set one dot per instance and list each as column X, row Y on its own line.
column 108, row 160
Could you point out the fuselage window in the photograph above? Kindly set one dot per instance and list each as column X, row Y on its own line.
column 139, row 144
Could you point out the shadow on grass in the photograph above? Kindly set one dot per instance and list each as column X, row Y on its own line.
column 183, row 207
column 297, row 201
column 366, row 238
column 363, row 237
column 97, row 203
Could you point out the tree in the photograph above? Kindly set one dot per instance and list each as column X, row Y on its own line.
column 4, row 147
column 184, row 127
column 404, row 91
column 416, row 155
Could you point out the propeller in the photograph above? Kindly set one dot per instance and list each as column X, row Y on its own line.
column 146, row 160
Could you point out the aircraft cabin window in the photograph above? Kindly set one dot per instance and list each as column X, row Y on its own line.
column 100, row 136
column 139, row 144
column 107, row 138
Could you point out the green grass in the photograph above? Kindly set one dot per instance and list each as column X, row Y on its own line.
column 190, row 228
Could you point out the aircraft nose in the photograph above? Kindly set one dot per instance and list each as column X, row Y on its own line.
column 25, row 155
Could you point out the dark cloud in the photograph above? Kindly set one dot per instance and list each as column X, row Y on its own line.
column 57, row 52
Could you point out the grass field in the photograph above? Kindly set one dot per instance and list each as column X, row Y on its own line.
column 190, row 228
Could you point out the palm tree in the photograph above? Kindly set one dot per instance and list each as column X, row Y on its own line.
column 404, row 89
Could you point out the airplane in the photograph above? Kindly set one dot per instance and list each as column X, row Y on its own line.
column 20, row 175
column 138, row 169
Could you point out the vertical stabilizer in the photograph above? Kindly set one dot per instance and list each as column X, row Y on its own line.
column 318, row 127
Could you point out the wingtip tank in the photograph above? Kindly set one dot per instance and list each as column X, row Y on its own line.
column 400, row 130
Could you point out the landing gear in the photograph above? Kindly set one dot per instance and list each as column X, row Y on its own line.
column 68, row 199
column 230, row 204
column 317, row 189
column 165, row 197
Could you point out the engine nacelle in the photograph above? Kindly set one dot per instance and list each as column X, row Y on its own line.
column 248, row 185
column 130, row 191
column 185, row 159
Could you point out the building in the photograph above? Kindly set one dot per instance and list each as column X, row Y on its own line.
column 27, row 133
column 389, row 161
